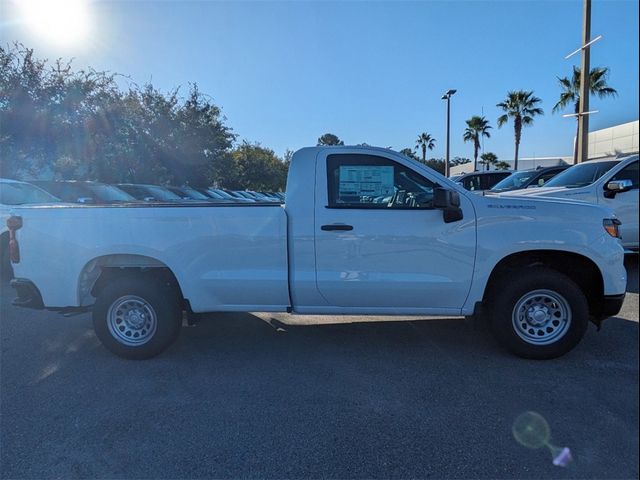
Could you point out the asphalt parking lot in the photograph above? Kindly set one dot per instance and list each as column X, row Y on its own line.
column 244, row 395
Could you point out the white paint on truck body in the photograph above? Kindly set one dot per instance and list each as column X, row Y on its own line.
column 271, row 258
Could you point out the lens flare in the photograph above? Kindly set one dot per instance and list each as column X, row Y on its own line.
column 63, row 22
column 532, row 430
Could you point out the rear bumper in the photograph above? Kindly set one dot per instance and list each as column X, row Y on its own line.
column 28, row 295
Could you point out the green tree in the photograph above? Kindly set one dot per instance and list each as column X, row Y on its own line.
column 487, row 159
column 477, row 127
column 253, row 167
column 55, row 120
column 522, row 107
column 436, row 164
column 329, row 139
column 425, row 142
column 502, row 165
column 408, row 152
column 570, row 92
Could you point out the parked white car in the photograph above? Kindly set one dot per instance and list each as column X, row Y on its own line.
column 609, row 182
column 365, row 231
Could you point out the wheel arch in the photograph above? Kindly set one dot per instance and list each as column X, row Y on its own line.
column 100, row 271
column 581, row 269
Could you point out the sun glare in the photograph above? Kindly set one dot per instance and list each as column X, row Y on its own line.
column 63, row 22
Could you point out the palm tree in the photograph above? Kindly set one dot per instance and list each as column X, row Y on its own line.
column 425, row 141
column 488, row 159
column 329, row 139
column 521, row 106
column 571, row 92
column 502, row 166
column 477, row 127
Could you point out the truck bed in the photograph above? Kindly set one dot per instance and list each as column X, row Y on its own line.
column 224, row 256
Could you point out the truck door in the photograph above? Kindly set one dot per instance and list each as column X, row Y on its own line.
column 380, row 244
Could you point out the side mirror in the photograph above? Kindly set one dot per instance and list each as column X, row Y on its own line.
column 617, row 186
column 449, row 202
column 85, row 200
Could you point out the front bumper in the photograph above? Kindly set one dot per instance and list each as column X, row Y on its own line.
column 610, row 306
column 28, row 295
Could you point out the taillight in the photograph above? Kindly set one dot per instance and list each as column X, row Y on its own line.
column 14, row 224
column 611, row 226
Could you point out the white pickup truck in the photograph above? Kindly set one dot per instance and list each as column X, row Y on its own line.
column 364, row 231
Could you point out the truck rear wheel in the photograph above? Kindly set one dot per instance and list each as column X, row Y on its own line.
column 539, row 314
column 137, row 319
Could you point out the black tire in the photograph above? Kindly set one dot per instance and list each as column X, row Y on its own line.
column 6, row 269
column 540, row 285
column 164, row 304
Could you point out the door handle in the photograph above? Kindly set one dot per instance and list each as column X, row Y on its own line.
column 337, row 226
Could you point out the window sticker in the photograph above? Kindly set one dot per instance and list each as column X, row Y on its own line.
column 365, row 181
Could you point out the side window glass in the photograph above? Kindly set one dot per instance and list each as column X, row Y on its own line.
column 472, row 182
column 66, row 193
column 498, row 177
column 489, row 180
column 369, row 181
column 630, row 172
column 545, row 177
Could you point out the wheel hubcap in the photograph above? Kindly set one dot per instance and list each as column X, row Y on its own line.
column 541, row 317
column 132, row 320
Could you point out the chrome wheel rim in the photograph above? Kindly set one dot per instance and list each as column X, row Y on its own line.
column 541, row 317
column 132, row 320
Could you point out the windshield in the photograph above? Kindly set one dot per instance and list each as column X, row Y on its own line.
column 23, row 193
column 109, row 193
column 221, row 193
column 515, row 181
column 160, row 193
column 582, row 174
column 194, row 194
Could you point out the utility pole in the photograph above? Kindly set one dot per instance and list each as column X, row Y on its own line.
column 582, row 142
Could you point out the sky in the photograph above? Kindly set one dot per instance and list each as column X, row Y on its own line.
column 284, row 73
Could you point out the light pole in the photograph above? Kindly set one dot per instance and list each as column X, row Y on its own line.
column 583, row 119
column 582, row 139
column 447, row 96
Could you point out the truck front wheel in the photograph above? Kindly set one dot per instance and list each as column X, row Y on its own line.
column 538, row 313
column 137, row 319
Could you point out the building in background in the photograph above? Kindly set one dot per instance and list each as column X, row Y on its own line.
column 612, row 141
column 608, row 142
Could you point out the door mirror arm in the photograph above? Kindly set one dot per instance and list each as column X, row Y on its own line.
column 449, row 202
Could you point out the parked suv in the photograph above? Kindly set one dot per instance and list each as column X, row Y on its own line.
column 480, row 181
column 536, row 177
